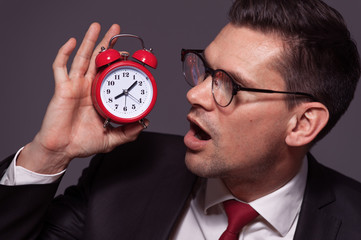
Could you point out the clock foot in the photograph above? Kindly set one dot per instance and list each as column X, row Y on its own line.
column 106, row 123
column 141, row 121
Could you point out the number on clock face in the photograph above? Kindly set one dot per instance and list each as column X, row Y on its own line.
column 126, row 92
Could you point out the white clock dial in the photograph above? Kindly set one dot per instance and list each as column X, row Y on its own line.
column 126, row 92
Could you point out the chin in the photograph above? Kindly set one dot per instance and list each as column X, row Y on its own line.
column 202, row 166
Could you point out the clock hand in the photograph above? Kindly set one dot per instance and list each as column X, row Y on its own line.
column 134, row 99
column 126, row 91
column 120, row 95
column 132, row 86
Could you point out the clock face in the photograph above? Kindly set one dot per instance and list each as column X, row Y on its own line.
column 126, row 92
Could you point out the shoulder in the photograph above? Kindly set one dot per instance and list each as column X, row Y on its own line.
column 347, row 194
column 344, row 187
column 155, row 154
column 151, row 145
column 331, row 205
column 335, row 193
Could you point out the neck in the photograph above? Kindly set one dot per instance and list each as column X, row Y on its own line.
column 258, row 185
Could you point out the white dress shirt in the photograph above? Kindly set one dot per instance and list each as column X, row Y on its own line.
column 205, row 217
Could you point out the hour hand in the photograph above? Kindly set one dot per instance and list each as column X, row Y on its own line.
column 120, row 95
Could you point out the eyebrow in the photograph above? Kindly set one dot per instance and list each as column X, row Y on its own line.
column 237, row 77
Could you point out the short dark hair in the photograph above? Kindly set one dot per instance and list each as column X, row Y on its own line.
column 319, row 56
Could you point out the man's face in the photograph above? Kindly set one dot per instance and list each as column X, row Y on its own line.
column 246, row 138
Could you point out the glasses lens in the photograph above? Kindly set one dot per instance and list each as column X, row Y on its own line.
column 222, row 88
column 193, row 69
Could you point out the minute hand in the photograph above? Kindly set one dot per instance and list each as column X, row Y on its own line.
column 132, row 86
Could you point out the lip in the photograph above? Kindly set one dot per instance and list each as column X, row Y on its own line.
column 190, row 140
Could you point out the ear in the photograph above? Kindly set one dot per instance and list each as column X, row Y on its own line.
column 306, row 123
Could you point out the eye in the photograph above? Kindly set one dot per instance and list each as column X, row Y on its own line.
column 216, row 83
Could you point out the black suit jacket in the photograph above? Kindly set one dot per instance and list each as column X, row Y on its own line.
column 139, row 190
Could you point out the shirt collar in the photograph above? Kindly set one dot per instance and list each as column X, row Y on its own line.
column 279, row 208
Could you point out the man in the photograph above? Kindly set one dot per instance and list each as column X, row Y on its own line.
column 274, row 81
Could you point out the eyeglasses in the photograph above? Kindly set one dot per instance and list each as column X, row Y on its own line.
column 224, row 87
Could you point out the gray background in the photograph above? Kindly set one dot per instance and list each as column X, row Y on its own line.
column 32, row 32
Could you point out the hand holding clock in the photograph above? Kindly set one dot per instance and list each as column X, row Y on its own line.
column 71, row 127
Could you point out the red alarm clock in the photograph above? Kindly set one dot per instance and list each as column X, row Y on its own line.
column 124, row 90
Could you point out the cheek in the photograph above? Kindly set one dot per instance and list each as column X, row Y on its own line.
column 252, row 124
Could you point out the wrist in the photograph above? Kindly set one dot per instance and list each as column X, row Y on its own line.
column 36, row 158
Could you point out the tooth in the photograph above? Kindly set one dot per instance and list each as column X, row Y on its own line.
column 197, row 136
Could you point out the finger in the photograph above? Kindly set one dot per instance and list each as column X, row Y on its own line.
column 61, row 60
column 113, row 30
column 126, row 133
column 82, row 58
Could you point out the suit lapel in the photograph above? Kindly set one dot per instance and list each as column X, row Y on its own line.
column 138, row 190
column 164, row 209
column 314, row 221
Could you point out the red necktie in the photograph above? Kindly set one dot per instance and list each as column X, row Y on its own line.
column 239, row 214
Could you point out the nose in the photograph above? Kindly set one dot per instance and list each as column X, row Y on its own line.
column 201, row 94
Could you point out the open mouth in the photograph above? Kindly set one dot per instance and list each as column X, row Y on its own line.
column 199, row 133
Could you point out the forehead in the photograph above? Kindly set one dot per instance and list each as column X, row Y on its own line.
column 246, row 53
